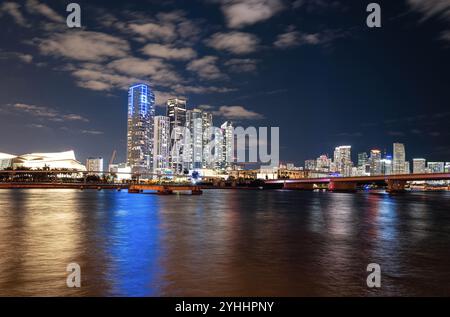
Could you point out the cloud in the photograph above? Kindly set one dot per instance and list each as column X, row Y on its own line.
column 234, row 42
column 396, row 133
column 240, row 13
column 206, row 68
column 154, row 31
column 292, row 38
column 13, row 9
column 43, row 113
column 431, row 8
column 34, row 6
column 169, row 52
column 91, row 132
column 83, row 46
column 236, row 113
column 26, row 58
column 241, row 65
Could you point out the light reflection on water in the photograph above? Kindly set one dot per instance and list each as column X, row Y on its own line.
column 223, row 243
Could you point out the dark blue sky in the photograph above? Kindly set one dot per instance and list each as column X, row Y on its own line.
column 311, row 67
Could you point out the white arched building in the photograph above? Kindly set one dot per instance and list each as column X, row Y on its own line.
column 61, row 160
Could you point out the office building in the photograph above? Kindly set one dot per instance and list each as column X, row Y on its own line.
column 419, row 166
column 161, row 144
column 94, row 165
column 141, row 111
column 399, row 159
column 375, row 162
column 343, row 160
column 176, row 111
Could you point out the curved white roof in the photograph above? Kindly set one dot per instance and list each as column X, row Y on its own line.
column 5, row 156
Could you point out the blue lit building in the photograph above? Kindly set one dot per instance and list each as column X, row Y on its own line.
column 141, row 111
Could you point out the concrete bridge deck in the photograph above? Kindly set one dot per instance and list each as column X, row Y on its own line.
column 395, row 183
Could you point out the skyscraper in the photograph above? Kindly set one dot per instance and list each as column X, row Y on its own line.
column 176, row 111
column 141, row 110
column 193, row 147
column 386, row 165
column 419, row 166
column 94, row 165
column 343, row 160
column 375, row 162
column 161, row 144
column 323, row 163
column 207, row 125
column 398, row 166
column 228, row 144
column 436, row 167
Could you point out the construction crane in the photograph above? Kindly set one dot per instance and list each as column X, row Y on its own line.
column 113, row 157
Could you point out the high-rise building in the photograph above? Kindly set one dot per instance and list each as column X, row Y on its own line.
column 343, row 160
column 436, row 167
column 375, row 162
column 447, row 167
column 228, row 145
column 176, row 111
column 419, row 166
column 207, row 125
column 398, row 166
column 161, row 144
column 407, row 169
column 141, row 110
column 94, row 165
column 310, row 165
column 386, row 165
column 363, row 168
column 323, row 163
column 193, row 146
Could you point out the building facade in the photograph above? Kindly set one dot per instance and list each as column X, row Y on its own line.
column 161, row 144
column 398, row 164
column 95, row 165
column 141, row 111
column 176, row 111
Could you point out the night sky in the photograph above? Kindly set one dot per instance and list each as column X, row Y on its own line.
column 311, row 67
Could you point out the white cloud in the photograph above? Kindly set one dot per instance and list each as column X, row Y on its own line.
column 430, row 8
column 293, row 38
column 240, row 13
column 234, row 42
column 84, row 46
column 13, row 9
column 206, row 67
column 26, row 58
column 34, row 6
column 169, row 52
column 154, row 31
column 237, row 112
column 241, row 65
column 44, row 113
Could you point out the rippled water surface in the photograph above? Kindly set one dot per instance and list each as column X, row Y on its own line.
column 223, row 243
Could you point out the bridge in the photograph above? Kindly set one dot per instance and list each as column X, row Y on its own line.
column 395, row 183
column 165, row 189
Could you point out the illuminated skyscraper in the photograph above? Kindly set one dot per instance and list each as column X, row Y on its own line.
column 207, row 125
column 141, row 102
column 193, row 146
column 398, row 166
column 375, row 162
column 95, row 165
column 323, row 163
column 386, row 165
column 343, row 160
column 436, row 167
column 419, row 166
column 228, row 144
column 161, row 144
column 176, row 111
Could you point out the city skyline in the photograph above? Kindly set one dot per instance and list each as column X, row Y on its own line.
column 297, row 75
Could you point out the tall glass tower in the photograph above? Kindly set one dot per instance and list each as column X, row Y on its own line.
column 141, row 112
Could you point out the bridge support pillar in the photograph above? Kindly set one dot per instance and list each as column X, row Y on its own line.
column 342, row 186
column 299, row 186
column 396, row 186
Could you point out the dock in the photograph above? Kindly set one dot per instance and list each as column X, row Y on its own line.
column 165, row 189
